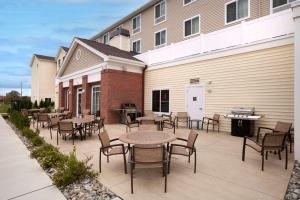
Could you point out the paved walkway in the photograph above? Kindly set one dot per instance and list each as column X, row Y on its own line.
column 20, row 176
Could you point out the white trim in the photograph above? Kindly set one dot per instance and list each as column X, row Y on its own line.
column 160, row 16
column 134, row 33
column 140, row 44
column 126, row 61
column 191, row 18
column 77, row 94
column 237, row 20
column 278, row 7
column 161, row 45
column 92, row 102
column 192, row 1
column 160, row 89
column 270, row 43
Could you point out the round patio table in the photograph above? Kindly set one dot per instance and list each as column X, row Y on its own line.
column 56, row 114
column 147, row 137
column 80, row 124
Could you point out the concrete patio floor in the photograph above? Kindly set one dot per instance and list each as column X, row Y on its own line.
column 220, row 172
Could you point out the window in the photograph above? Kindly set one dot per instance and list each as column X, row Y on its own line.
column 67, row 99
column 106, row 38
column 136, row 24
column 277, row 3
column 160, row 101
column 192, row 26
column 95, row 97
column 136, row 46
column 237, row 10
column 187, row 2
column 160, row 12
column 160, row 38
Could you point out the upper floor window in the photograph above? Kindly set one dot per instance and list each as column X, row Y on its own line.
column 192, row 26
column 136, row 24
column 106, row 38
column 236, row 10
column 160, row 12
column 160, row 38
column 277, row 3
column 187, row 2
column 136, row 46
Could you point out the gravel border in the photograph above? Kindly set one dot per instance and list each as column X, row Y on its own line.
column 88, row 189
column 293, row 190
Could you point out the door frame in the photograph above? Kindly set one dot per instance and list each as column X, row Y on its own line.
column 92, row 101
column 77, row 100
column 203, row 93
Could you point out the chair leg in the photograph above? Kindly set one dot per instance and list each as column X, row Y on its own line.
column 279, row 154
column 100, row 160
column 286, row 157
column 195, row 161
column 244, row 149
column 73, row 138
column 165, row 178
column 267, row 153
column 131, row 177
column 207, row 127
column 51, row 133
column 169, row 163
column 107, row 159
column 213, row 127
column 189, row 159
column 125, row 164
column 291, row 151
column 262, row 160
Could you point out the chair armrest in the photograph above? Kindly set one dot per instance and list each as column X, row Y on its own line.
column 181, row 145
column 115, row 139
column 266, row 128
column 182, row 139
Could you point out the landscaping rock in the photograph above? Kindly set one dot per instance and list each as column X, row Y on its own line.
column 293, row 190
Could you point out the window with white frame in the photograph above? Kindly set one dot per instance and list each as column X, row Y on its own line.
column 136, row 46
column 278, row 3
column 136, row 24
column 95, row 97
column 160, row 101
column 160, row 38
column 160, row 12
column 192, row 26
column 237, row 10
column 187, row 2
column 106, row 38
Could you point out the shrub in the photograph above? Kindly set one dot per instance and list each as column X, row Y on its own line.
column 21, row 103
column 37, row 141
column 73, row 170
column 4, row 108
column 42, row 104
column 35, row 105
column 28, row 133
column 49, row 156
column 19, row 120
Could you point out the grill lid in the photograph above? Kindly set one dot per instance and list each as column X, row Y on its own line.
column 242, row 111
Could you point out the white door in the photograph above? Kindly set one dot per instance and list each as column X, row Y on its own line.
column 79, row 102
column 195, row 101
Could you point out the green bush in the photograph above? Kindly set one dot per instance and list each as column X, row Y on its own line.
column 49, row 156
column 35, row 105
column 4, row 108
column 37, row 141
column 19, row 120
column 21, row 103
column 73, row 170
column 41, row 104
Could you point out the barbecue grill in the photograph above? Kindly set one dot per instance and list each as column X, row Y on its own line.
column 128, row 109
column 242, row 121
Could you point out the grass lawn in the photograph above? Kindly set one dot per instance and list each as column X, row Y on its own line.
column 4, row 108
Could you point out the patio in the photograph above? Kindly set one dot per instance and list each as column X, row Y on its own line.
column 220, row 172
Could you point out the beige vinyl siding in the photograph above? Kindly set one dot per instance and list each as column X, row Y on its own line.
column 87, row 59
column 212, row 18
column 262, row 79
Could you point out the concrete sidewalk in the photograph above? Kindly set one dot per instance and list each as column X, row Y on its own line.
column 20, row 176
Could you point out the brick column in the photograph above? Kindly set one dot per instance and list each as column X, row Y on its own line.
column 61, row 96
column 86, row 95
column 72, row 97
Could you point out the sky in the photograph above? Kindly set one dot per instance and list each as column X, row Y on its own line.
column 30, row 27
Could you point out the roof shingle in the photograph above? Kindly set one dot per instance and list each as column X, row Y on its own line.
column 109, row 50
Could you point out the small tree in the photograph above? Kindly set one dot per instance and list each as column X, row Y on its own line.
column 42, row 104
column 11, row 97
column 35, row 105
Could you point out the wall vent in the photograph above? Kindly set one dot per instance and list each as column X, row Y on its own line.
column 194, row 80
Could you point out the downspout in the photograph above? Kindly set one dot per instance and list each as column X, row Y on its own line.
column 143, row 89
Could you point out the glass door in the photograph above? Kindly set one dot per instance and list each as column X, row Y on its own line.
column 79, row 102
column 95, row 97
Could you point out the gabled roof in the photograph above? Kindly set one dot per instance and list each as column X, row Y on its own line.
column 66, row 49
column 124, row 19
column 109, row 50
column 42, row 57
column 106, row 52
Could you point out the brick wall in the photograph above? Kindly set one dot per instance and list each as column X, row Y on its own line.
column 86, row 95
column 119, row 87
column 61, row 96
column 72, row 97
